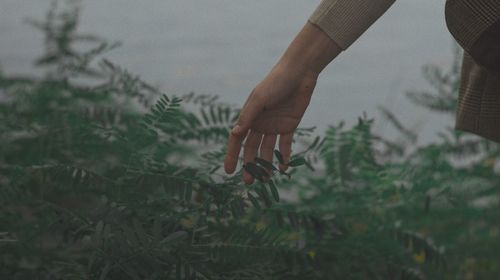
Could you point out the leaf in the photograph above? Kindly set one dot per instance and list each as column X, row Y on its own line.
column 105, row 271
column 214, row 169
column 297, row 162
column 274, row 191
column 262, row 192
column 227, row 114
column 178, row 271
column 157, row 228
column 99, row 227
column 213, row 115
column 286, row 174
column 427, row 203
column 256, row 171
column 108, row 64
column 153, row 132
column 220, row 112
column 266, row 164
column 294, row 221
column 241, row 205
column 177, row 236
column 234, row 210
column 254, row 201
column 279, row 156
column 205, row 117
column 166, row 97
column 130, row 235
column 98, row 232
column 279, row 218
column 315, row 142
column 160, row 106
column 308, row 165
column 188, row 192
column 140, row 232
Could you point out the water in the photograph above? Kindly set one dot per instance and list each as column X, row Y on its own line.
column 226, row 47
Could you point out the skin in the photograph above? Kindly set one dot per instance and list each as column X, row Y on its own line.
column 276, row 105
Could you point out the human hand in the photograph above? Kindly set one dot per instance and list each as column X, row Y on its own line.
column 277, row 104
column 274, row 108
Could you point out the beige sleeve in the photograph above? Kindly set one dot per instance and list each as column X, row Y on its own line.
column 345, row 20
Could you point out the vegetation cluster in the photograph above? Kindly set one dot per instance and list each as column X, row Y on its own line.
column 103, row 176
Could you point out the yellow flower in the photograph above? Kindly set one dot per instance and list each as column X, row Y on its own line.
column 311, row 254
column 395, row 198
column 293, row 237
column 260, row 226
column 494, row 232
column 419, row 258
column 360, row 228
column 490, row 162
column 188, row 222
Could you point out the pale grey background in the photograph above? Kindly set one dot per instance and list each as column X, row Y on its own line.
column 225, row 47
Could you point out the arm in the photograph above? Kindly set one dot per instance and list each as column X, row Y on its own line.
column 277, row 104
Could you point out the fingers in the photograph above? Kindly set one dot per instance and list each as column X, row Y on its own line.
column 267, row 147
column 254, row 140
column 250, row 152
column 285, row 147
column 250, row 111
column 233, row 151
column 248, row 114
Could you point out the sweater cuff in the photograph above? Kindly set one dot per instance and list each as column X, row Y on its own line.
column 345, row 20
column 468, row 20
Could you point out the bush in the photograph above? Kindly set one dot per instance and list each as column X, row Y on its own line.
column 103, row 176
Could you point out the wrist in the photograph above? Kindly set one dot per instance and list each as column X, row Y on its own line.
column 310, row 52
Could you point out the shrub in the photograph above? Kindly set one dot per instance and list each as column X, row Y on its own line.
column 103, row 176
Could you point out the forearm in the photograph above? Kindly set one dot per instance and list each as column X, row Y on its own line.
column 332, row 28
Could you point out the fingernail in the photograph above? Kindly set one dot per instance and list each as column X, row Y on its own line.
column 236, row 129
column 283, row 167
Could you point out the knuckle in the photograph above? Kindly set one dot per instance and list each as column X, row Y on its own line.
column 266, row 150
column 256, row 96
column 234, row 134
column 250, row 146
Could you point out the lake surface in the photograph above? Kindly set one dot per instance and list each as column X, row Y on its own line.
column 226, row 47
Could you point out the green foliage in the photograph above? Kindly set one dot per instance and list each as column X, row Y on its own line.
column 110, row 178
column 446, row 85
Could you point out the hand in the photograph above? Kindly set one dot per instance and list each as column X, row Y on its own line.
column 274, row 108
column 277, row 104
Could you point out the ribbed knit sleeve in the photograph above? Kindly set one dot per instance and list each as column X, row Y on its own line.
column 468, row 19
column 345, row 20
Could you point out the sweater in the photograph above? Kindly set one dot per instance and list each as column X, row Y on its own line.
column 475, row 24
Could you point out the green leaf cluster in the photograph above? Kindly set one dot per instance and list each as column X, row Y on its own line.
column 111, row 178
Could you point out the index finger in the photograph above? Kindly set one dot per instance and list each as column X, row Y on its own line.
column 233, row 151
column 285, row 147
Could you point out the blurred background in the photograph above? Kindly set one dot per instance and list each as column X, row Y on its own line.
column 226, row 47
column 119, row 181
